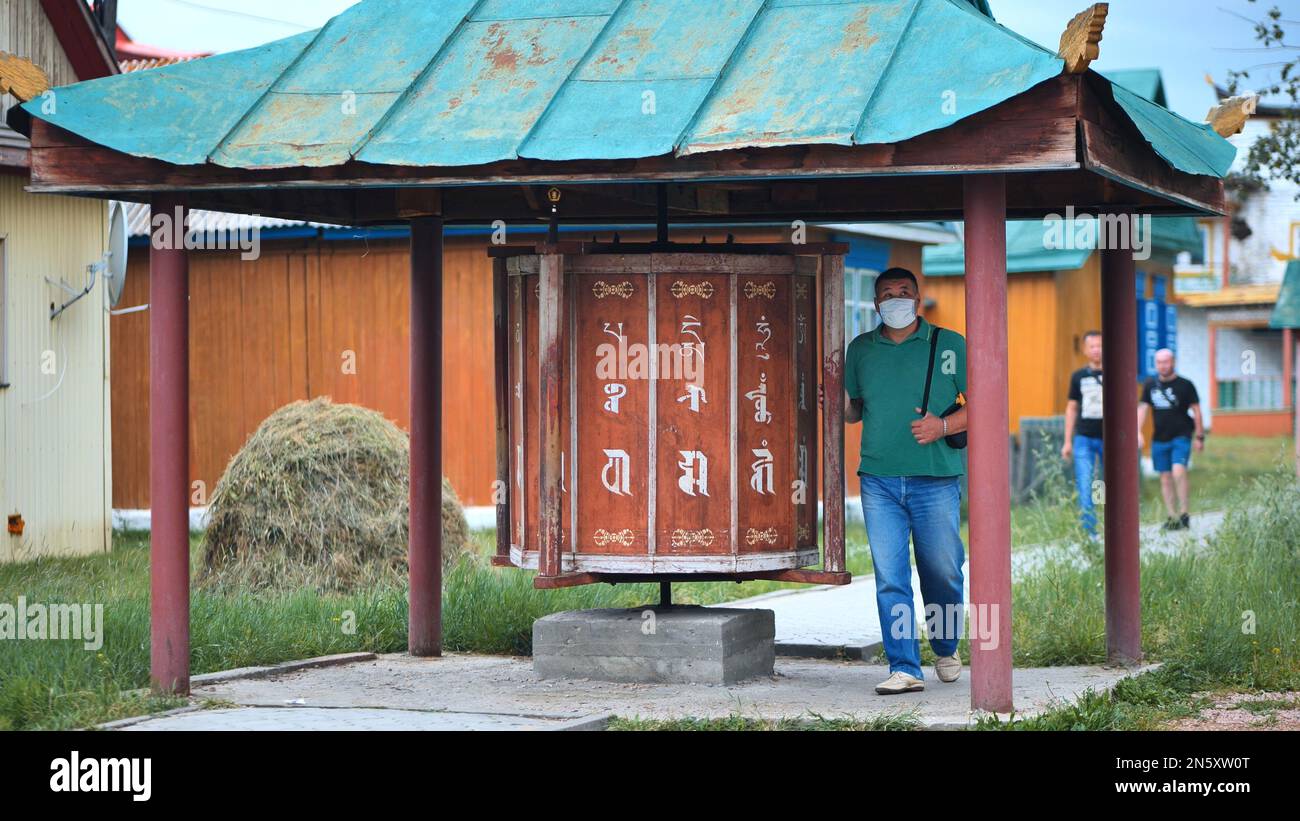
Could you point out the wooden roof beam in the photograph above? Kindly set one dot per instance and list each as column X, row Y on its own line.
column 1081, row 42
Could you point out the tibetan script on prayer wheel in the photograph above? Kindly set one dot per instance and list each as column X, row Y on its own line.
column 687, row 409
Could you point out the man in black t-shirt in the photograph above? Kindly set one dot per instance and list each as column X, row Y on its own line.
column 1083, row 441
column 1173, row 397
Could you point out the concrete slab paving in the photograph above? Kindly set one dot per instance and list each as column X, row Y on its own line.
column 463, row 691
column 359, row 719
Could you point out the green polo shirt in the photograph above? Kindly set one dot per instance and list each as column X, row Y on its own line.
column 890, row 379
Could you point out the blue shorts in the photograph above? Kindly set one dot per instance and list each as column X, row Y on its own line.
column 1164, row 455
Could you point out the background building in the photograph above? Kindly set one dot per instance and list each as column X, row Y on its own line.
column 1226, row 299
column 56, row 474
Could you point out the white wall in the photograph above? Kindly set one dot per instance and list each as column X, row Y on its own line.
column 1273, row 216
column 1194, row 355
column 54, row 416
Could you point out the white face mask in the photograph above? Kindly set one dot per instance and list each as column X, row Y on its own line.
column 898, row 313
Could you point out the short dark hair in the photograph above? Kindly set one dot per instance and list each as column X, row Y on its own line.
column 1090, row 334
column 896, row 274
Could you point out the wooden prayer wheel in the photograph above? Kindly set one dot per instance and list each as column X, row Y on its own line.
column 661, row 410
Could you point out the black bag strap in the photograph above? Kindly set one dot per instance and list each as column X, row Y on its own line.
column 929, row 374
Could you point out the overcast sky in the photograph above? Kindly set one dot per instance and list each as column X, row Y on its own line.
column 1186, row 39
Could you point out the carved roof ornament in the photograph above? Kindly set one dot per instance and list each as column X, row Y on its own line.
column 1230, row 116
column 1081, row 42
column 21, row 77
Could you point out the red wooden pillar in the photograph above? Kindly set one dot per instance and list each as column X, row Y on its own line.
column 1119, row 322
column 425, row 556
column 169, row 454
column 833, row 414
column 989, row 462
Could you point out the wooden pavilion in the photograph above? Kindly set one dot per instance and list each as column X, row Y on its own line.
column 634, row 111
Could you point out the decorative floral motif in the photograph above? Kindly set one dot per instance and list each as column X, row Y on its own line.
column 801, row 290
column 624, row 537
column 692, row 538
column 767, row 290
column 753, row 536
column 681, row 290
column 623, row 290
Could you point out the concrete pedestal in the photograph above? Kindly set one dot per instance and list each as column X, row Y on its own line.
column 691, row 645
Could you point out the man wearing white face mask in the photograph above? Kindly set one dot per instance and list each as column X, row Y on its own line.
column 911, row 476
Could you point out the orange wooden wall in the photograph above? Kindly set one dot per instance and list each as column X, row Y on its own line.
column 289, row 326
column 1035, row 337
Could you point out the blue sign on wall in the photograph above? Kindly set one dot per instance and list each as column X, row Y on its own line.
column 1149, row 319
column 1157, row 324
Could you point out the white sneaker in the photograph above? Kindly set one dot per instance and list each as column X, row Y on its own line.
column 948, row 668
column 900, row 682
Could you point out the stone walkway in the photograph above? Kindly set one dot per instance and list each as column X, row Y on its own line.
column 842, row 622
column 468, row 692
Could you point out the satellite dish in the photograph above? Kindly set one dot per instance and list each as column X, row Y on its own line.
column 115, row 264
column 112, row 268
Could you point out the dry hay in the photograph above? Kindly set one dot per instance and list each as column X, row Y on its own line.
column 318, row 497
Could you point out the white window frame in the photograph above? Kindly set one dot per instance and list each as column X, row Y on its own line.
column 859, row 302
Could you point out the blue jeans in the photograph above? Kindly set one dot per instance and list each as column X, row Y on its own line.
column 926, row 510
column 1164, row 455
column 1088, row 452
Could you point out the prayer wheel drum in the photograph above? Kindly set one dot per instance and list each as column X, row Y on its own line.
column 683, row 403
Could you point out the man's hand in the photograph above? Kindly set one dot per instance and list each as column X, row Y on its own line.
column 1067, row 451
column 928, row 429
column 1199, row 444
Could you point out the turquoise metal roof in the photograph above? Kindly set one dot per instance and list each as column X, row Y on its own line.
column 1287, row 312
column 464, row 82
column 1195, row 148
column 1148, row 82
column 1027, row 251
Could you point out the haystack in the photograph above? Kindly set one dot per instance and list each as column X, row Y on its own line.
column 318, row 497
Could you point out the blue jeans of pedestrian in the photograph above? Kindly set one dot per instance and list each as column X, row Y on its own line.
column 1088, row 453
column 927, row 511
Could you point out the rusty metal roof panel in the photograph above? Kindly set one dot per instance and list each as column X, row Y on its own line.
column 950, row 62
column 177, row 113
column 457, row 83
column 641, row 86
column 357, row 69
column 491, row 85
column 805, row 74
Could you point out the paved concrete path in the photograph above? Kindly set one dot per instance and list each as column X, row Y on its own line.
column 461, row 691
column 346, row 718
column 830, row 622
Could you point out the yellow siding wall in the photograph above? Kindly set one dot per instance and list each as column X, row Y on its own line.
column 1032, row 336
column 1078, row 304
column 56, row 467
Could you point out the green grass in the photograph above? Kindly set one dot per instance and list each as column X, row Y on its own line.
column 1227, row 619
column 739, row 723
column 1190, row 605
column 1220, row 480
